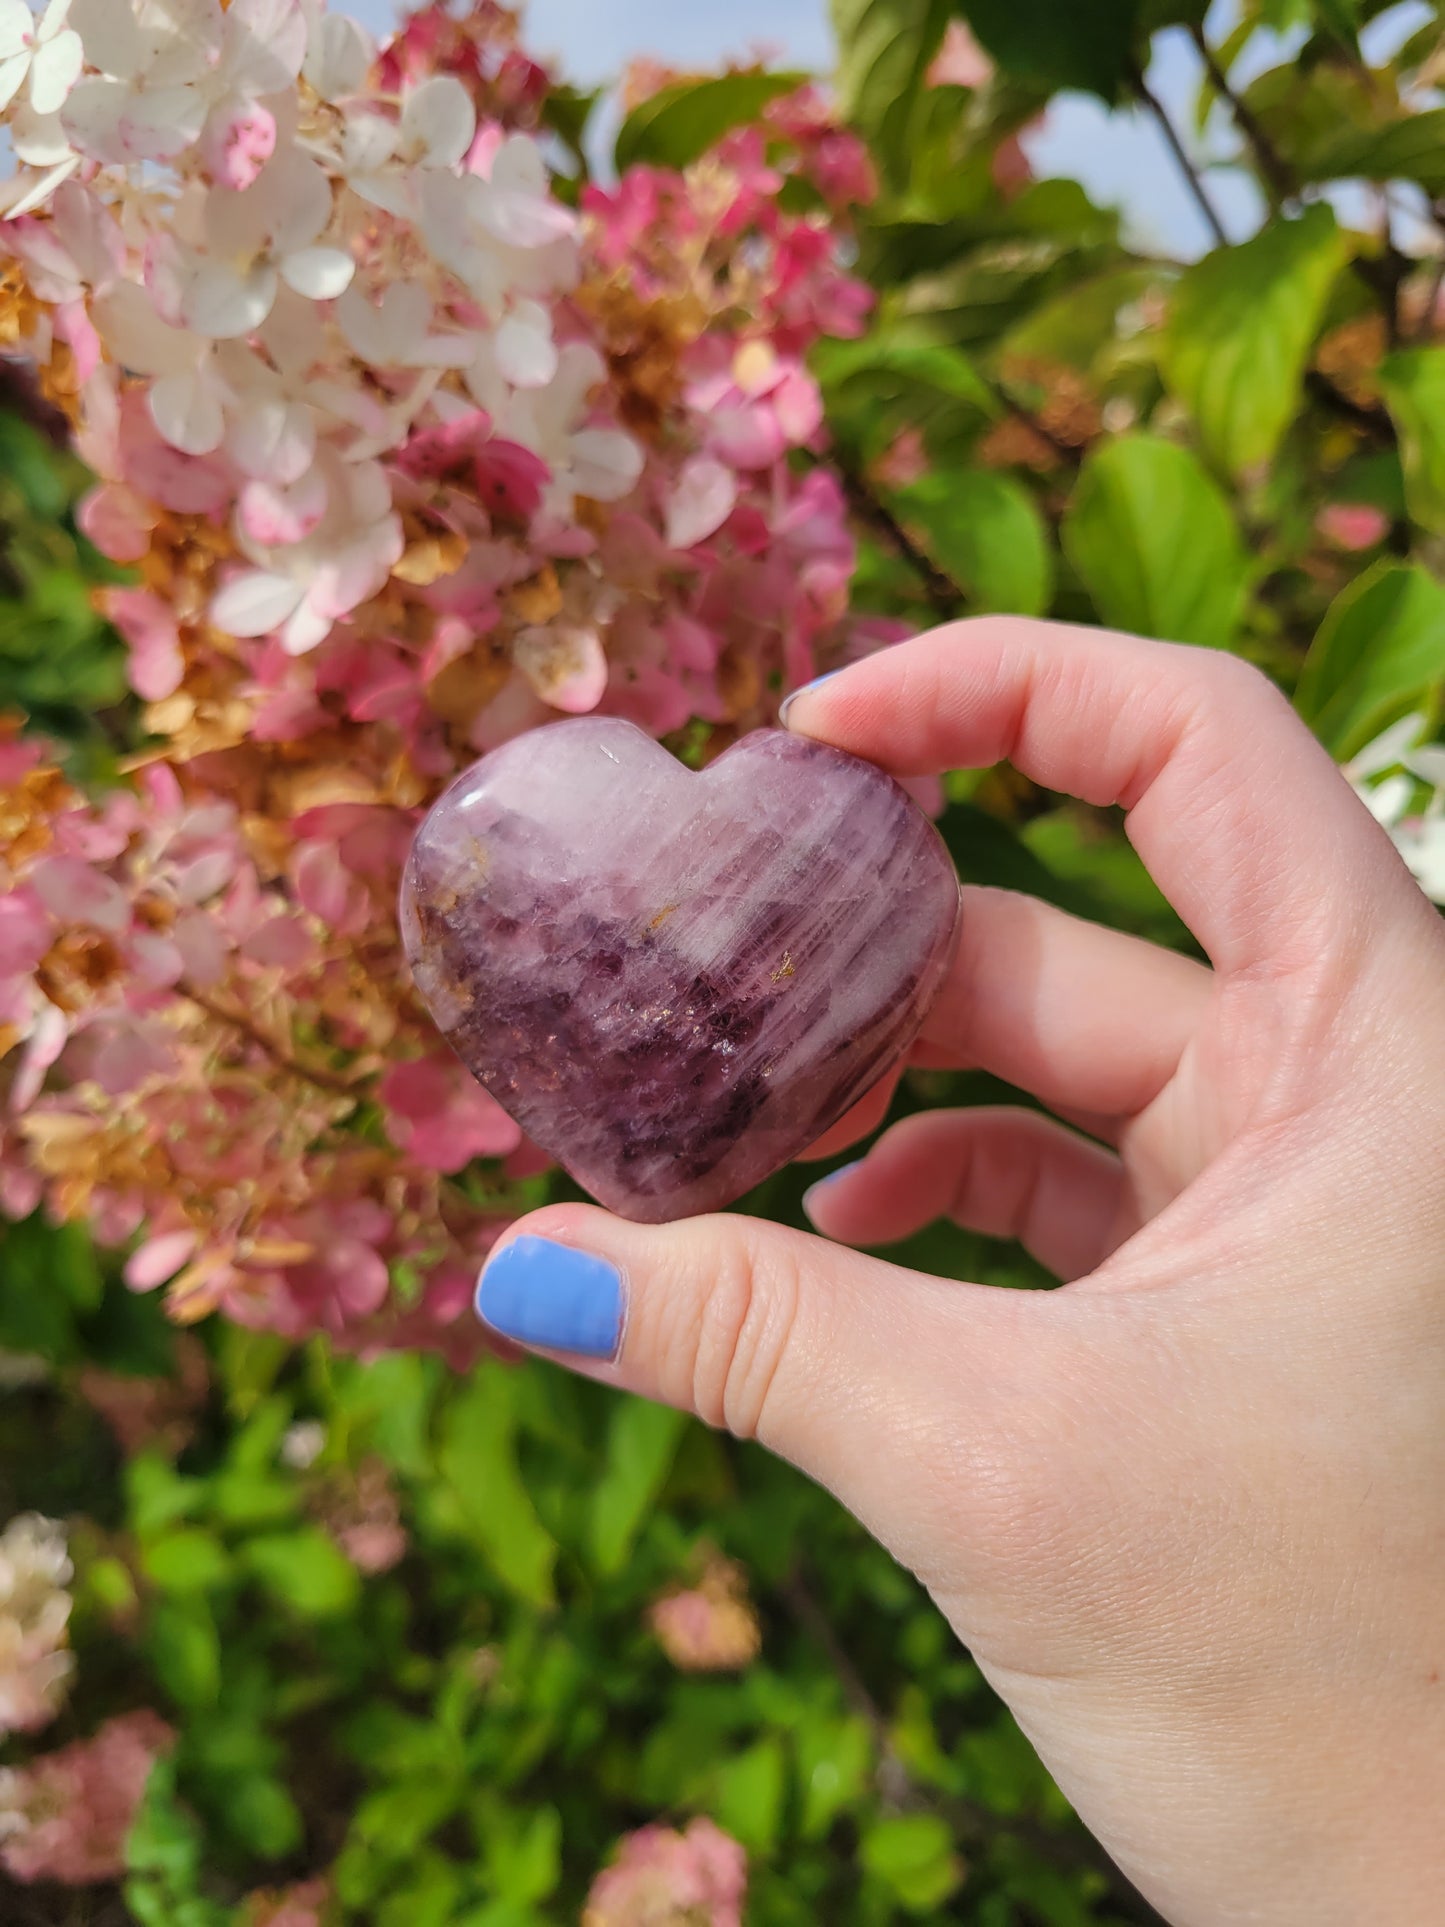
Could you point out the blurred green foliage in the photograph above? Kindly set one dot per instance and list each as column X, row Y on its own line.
column 61, row 665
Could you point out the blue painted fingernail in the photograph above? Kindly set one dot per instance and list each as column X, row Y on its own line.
column 816, row 683
column 554, row 1297
column 823, row 1184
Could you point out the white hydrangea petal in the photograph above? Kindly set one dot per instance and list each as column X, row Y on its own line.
column 321, row 274
column 53, row 21
column 386, row 333
column 187, row 410
column 439, row 120
column 702, row 500
column 294, row 336
column 39, row 192
column 40, row 140
column 392, row 192
column 54, row 71
column 256, row 603
column 565, row 664
column 299, row 193
column 17, row 24
column 484, row 380
column 14, row 69
column 223, row 303
column 138, row 339
column 111, row 35
column 368, row 142
column 339, row 56
column 92, row 117
column 273, row 439
column 183, row 39
column 522, row 219
column 518, row 164
column 606, row 463
column 526, row 354
column 306, row 630
column 160, row 124
column 265, row 46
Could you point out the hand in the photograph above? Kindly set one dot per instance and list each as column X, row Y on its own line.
column 1189, row 1512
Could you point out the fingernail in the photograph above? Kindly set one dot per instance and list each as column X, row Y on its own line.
column 816, row 683
column 553, row 1297
column 816, row 1190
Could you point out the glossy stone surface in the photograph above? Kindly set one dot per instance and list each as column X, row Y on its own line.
column 676, row 982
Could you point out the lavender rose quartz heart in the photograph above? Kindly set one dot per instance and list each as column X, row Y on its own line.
column 676, row 982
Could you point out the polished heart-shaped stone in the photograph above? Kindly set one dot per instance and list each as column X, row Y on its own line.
column 675, row 982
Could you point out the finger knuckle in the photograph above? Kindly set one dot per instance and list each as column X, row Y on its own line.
column 744, row 1334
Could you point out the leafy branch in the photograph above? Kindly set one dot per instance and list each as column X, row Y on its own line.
column 945, row 597
column 970, row 1820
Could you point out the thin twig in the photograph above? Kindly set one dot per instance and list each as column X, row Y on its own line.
column 944, row 595
column 1383, row 275
column 1278, row 179
column 1066, row 451
column 316, row 1074
column 1191, row 173
column 969, row 1819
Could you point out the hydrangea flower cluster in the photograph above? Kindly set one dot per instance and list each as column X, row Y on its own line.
column 411, row 446
column 660, row 1878
column 35, row 1658
column 66, row 1815
column 711, row 1627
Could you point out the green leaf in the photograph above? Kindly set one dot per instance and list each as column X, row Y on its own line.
column 678, row 124
column 186, row 1561
column 835, row 1758
column 1379, row 648
column 1156, row 543
column 1411, row 148
column 748, row 1795
column 1240, row 335
column 305, row 1571
column 913, row 1855
column 985, row 530
column 891, row 363
column 185, row 1650
column 523, row 1853
column 1059, row 43
column 885, row 49
column 261, row 1814
column 29, row 461
column 1414, row 385
column 165, row 1860
column 397, row 1818
column 478, row 1463
column 642, row 1441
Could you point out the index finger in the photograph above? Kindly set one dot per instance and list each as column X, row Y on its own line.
column 1241, row 816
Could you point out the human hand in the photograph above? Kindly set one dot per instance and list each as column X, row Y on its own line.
column 1186, row 1512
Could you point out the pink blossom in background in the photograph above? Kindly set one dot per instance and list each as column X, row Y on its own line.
column 696, row 1878
column 1353, row 526
column 66, row 1815
column 303, row 1906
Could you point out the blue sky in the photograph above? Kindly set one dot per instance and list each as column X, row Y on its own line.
column 1121, row 158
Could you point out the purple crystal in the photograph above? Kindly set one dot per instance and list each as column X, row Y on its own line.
column 676, row 982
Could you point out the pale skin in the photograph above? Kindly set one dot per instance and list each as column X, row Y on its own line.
column 1187, row 1512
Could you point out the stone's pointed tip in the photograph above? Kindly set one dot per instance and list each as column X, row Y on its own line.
column 675, row 984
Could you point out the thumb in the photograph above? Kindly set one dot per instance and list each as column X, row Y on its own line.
column 856, row 1371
